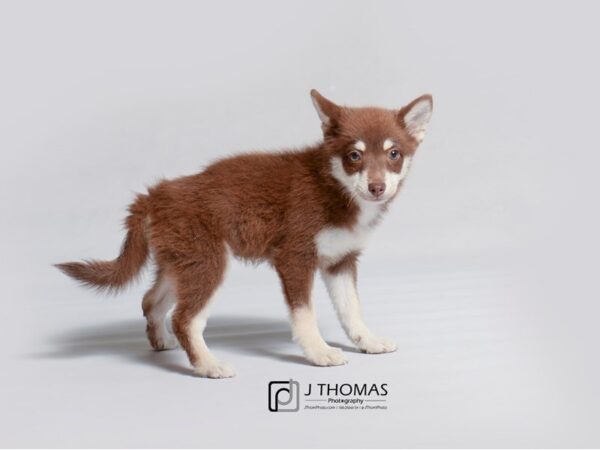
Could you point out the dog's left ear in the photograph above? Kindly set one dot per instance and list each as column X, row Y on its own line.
column 415, row 116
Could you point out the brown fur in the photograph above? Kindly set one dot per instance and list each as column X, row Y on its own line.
column 113, row 275
column 263, row 206
column 347, row 264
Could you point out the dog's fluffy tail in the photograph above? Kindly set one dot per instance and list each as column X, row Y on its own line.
column 116, row 274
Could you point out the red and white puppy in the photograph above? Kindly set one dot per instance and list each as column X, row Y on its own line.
column 301, row 211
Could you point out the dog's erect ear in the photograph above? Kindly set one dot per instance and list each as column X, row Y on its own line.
column 415, row 116
column 328, row 111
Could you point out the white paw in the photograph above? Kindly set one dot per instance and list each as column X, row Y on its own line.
column 167, row 342
column 374, row 344
column 215, row 369
column 326, row 356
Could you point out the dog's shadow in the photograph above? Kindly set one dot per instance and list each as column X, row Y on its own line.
column 127, row 339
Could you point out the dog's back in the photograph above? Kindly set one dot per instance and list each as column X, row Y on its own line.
column 252, row 202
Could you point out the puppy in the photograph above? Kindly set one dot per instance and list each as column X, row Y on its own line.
column 301, row 211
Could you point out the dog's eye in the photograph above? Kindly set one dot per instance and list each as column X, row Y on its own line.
column 355, row 156
column 394, row 155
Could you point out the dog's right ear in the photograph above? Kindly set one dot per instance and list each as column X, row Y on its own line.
column 329, row 112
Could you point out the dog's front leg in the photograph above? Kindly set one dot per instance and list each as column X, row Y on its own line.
column 340, row 280
column 297, row 280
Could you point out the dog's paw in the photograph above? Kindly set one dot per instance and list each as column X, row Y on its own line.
column 168, row 342
column 214, row 369
column 375, row 344
column 161, row 339
column 326, row 356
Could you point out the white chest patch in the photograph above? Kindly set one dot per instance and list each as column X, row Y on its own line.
column 334, row 243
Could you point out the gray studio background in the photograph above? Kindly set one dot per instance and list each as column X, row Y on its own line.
column 485, row 270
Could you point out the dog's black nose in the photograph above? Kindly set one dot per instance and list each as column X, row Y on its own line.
column 376, row 189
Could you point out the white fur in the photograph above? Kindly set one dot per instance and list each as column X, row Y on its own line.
column 387, row 144
column 417, row 118
column 207, row 365
column 334, row 243
column 405, row 168
column 393, row 179
column 343, row 294
column 342, row 290
column 164, row 299
column 350, row 182
column 360, row 145
column 306, row 333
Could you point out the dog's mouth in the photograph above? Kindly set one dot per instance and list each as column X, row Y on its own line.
column 371, row 198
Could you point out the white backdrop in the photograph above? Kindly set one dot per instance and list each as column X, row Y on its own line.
column 484, row 271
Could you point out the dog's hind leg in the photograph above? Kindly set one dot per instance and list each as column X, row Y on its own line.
column 156, row 304
column 196, row 280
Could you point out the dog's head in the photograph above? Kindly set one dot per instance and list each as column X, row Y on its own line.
column 372, row 147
